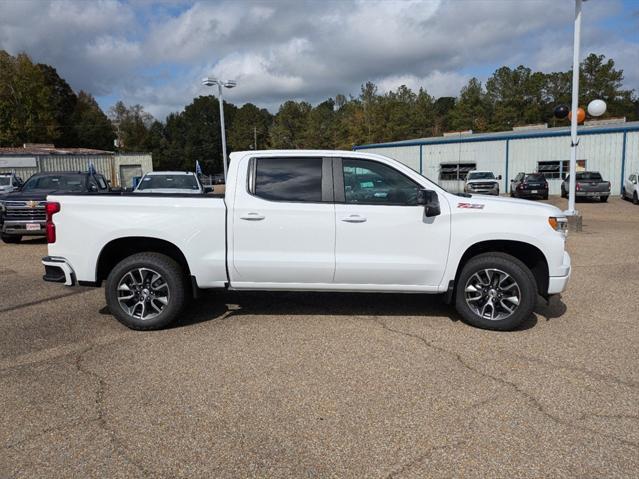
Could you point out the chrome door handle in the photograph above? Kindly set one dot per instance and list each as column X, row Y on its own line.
column 252, row 217
column 354, row 219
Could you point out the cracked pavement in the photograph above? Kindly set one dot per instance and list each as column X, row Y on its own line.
column 326, row 385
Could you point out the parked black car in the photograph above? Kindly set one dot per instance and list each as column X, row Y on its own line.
column 529, row 185
column 588, row 184
column 22, row 213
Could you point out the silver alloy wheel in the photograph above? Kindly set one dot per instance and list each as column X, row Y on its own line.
column 492, row 294
column 143, row 293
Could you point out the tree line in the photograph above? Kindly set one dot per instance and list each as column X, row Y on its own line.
column 38, row 106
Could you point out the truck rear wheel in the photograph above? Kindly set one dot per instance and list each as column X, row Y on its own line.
column 495, row 291
column 146, row 291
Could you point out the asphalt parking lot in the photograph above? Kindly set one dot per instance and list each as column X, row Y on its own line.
column 326, row 385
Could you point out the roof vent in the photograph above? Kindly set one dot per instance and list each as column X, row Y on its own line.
column 537, row 126
column 39, row 145
column 458, row 133
column 607, row 121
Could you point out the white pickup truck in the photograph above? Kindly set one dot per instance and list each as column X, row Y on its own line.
column 310, row 221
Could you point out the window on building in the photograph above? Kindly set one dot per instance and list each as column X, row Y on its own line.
column 558, row 169
column 289, row 179
column 450, row 171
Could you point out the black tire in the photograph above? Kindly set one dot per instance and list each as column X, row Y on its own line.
column 11, row 239
column 563, row 193
column 170, row 272
column 604, row 199
column 545, row 196
column 518, row 271
column 635, row 199
column 623, row 193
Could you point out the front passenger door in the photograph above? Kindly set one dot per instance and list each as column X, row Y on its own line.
column 382, row 235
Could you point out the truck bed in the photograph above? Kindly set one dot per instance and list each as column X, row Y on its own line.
column 195, row 224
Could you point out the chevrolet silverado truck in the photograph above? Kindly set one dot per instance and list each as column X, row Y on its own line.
column 308, row 220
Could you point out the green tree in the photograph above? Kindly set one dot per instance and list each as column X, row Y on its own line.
column 471, row 110
column 249, row 121
column 91, row 127
column 288, row 126
column 27, row 113
column 131, row 123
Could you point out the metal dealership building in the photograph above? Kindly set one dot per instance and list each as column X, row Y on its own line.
column 119, row 168
column 608, row 147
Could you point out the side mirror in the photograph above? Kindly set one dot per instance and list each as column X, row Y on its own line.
column 429, row 199
column 499, row 177
column 207, row 190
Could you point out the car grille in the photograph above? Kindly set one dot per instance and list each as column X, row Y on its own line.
column 482, row 185
column 25, row 211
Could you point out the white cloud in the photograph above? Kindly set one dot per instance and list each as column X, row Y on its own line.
column 155, row 54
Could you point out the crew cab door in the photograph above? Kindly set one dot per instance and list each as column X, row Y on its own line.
column 382, row 235
column 283, row 223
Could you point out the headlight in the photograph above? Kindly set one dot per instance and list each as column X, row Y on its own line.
column 558, row 223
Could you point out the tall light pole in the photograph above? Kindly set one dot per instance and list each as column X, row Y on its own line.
column 575, row 104
column 208, row 81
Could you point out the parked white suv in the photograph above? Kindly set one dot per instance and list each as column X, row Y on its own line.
column 630, row 189
column 482, row 183
column 311, row 221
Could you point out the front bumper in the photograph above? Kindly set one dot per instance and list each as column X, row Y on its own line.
column 557, row 284
column 482, row 191
column 12, row 227
column 58, row 270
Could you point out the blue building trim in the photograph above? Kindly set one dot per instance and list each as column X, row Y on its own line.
column 421, row 169
column 623, row 161
column 506, row 182
column 500, row 137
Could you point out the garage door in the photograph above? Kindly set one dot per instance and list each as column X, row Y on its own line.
column 127, row 173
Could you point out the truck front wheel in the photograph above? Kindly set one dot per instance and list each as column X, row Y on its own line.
column 146, row 291
column 495, row 291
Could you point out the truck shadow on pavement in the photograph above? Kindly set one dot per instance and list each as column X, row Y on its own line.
column 226, row 305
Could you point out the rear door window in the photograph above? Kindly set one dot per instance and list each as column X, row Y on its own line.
column 289, row 179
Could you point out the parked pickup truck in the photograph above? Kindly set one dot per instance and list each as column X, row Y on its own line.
column 310, row 221
column 588, row 184
column 22, row 212
column 482, row 183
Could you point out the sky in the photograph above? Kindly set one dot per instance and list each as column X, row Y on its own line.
column 155, row 53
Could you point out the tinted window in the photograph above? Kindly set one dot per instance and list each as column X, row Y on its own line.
column 481, row 175
column 68, row 182
column 589, row 176
column 5, row 180
column 370, row 182
column 535, row 177
column 289, row 179
column 178, row 182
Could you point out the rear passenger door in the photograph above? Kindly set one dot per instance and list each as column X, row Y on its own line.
column 283, row 228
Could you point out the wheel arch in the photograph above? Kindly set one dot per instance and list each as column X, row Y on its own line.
column 116, row 250
column 527, row 253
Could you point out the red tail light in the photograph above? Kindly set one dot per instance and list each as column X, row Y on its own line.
column 545, row 186
column 51, row 209
column 609, row 185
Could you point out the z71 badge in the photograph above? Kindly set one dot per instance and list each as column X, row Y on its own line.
column 473, row 206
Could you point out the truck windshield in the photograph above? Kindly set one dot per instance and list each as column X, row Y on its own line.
column 181, row 182
column 66, row 182
column 589, row 176
column 481, row 175
column 5, row 181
